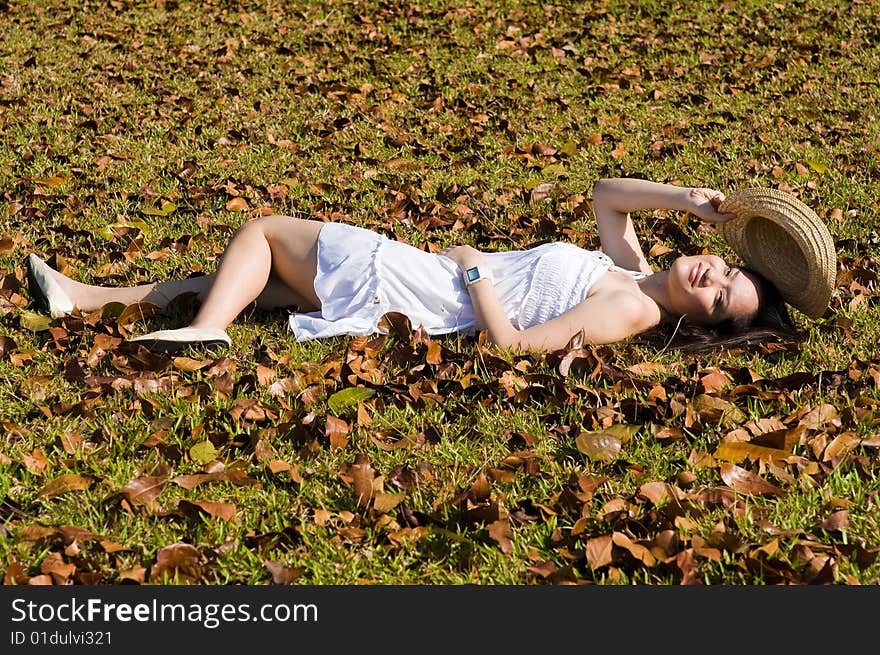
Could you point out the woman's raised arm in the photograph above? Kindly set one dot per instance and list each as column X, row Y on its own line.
column 615, row 198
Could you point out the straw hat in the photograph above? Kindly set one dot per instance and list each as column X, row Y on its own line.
column 785, row 241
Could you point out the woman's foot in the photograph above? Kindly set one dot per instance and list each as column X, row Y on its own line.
column 171, row 341
column 46, row 288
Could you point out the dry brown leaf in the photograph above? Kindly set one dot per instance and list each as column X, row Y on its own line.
column 745, row 482
column 176, row 560
column 336, row 430
column 636, row 550
column 363, row 416
column 136, row 574
column 655, row 491
column 840, row 445
column 35, row 532
column 53, row 564
column 819, row 416
column 64, row 483
column 836, row 522
column 189, row 365
column 265, row 375
column 480, row 490
column 599, row 446
column 233, row 474
column 672, row 434
column 647, row 369
column 435, row 353
column 384, row 503
column 36, row 462
column 715, row 381
column 712, row 410
column 738, row 451
column 598, row 551
column 15, row 574
column 143, row 490
column 282, row 574
column 782, row 439
column 237, row 204
column 501, row 532
column 71, row 442
column 362, row 479
column 136, row 312
column 195, row 508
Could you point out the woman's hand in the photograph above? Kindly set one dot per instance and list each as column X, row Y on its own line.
column 464, row 256
column 704, row 204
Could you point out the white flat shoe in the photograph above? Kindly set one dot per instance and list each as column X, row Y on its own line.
column 44, row 290
column 169, row 341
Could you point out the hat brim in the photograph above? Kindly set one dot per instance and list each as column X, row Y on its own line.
column 784, row 240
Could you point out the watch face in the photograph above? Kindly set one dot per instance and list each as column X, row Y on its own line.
column 473, row 274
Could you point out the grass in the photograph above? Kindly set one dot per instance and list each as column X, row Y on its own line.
column 130, row 127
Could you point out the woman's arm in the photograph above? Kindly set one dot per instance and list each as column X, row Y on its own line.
column 603, row 318
column 614, row 199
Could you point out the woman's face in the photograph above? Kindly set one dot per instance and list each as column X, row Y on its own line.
column 707, row 290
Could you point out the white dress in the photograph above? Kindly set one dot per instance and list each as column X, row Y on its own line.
column 362, row 275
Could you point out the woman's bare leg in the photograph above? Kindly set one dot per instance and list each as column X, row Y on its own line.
column 274, row 245
column 272, row 260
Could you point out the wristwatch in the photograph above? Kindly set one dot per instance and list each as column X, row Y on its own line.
column 473, row 275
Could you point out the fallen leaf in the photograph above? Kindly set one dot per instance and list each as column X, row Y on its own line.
column 202, row 452
column 738, row 451
column 638, row 551
column 336, row 430
column 598, row 551
column 136, row 312
column 384, row 503
column 35, row 322
column 36, row 462
column 195, row 508
column 715, row 381
column 836, row 522
column 348, row 397
column 143, row 490
column 840, row 445
column 714, row 410
column 362, row 478
column 282, row 574
column 819, row 416
column 180, row 561
column 743, row 481
column 237, row 204
column 501, row 532
column 647, row 369
column 598, row 445
column 64, row 483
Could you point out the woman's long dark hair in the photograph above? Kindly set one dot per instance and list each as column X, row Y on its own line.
column 771, row 323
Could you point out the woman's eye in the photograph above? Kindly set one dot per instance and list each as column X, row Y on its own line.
column 727, row 272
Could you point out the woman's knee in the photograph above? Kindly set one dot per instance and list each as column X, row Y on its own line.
column 264, row 225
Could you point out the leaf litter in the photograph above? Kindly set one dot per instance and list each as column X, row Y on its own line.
column 737, row 438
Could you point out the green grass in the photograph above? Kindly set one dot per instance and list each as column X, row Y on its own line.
column 405, row 118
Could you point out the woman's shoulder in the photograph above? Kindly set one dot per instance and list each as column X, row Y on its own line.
column 622, row 292
column 614, row 314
